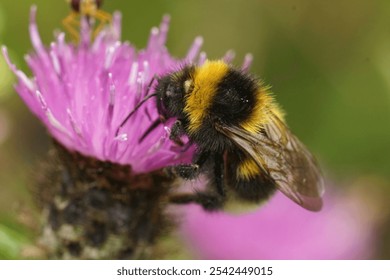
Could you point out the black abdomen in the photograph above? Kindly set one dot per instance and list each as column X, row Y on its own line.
column 245, row 181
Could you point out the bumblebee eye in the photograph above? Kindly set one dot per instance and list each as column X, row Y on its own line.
column 170, row 91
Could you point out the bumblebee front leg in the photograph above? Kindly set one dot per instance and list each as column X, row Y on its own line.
column 177, row 130
column 210, row 199
column 188, row 171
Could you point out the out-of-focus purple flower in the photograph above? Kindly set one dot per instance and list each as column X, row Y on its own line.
column 82, row 93
column 282, row 230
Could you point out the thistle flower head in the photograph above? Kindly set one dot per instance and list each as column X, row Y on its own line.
column 83, row 92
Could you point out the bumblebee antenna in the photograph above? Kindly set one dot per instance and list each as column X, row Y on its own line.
column 138, row 105
column 151, row 128
column 146, row 98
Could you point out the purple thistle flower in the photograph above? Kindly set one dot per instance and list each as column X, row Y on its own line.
column 82, row 93
column 94, row 209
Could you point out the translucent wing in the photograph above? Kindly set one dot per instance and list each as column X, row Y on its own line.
column 282, row 156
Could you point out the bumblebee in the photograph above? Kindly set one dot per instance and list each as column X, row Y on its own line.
column 243, row 144
column 91, row 10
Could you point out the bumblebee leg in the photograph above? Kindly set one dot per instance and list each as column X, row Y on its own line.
column 219, row 174
column 188, row 171
column 177, row 130
column 210, row 200
column 214, row 200
column 183, row 198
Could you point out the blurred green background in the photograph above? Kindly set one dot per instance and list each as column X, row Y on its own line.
column 328, row 63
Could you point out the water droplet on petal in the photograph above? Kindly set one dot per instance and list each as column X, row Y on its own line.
column 122, row 137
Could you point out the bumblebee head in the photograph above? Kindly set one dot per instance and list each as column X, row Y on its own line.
column 171, row 91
